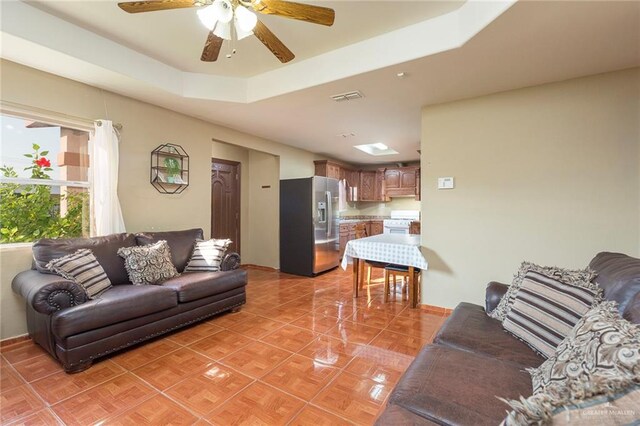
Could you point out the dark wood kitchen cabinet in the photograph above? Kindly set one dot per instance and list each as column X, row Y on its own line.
column 400, row 181
column 376, row 227
column 328, row 169
column 414, row 228
column 372, row 186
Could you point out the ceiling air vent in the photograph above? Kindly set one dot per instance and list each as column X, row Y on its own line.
column 349, row 96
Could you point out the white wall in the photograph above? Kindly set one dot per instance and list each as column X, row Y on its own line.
column 145, row 127
column 549, row 174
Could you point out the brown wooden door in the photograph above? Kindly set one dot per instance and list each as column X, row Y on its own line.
column 225, row 201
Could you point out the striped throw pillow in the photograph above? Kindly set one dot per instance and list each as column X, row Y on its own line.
column 546, row 309
column 207, row 255
column 82, row 268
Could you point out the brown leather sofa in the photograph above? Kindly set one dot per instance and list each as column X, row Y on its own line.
column 456, row 380
column 76, row 331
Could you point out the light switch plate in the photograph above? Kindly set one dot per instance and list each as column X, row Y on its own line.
column 446, row 183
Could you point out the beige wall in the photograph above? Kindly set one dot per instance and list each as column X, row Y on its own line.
column 381, row 209
column 144, row 128
column 264, row 209
column 549, row 174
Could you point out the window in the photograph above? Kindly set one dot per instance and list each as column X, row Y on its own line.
column 44, row 188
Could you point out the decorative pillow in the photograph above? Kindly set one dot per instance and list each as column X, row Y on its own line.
column 545, row 310
column 620, row 407
column 148, row 264
column 602, row 344
column 207, row 255
column 82, row 268
column 568, row 276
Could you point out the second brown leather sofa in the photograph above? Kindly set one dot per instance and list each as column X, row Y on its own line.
column 472, row 361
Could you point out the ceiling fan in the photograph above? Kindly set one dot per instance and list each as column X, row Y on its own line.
column 234, row 19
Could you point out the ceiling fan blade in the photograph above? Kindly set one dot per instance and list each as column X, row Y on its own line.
column 211, row 48
column 153, row 5
column 273, row 43
column 288, row 9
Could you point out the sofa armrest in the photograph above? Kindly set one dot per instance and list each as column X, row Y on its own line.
column 494, row 293
column 230, row 262
column 47, row 293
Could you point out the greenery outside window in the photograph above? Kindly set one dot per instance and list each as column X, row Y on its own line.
column 44, row 188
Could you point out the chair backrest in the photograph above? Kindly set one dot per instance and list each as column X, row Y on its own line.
column 361, row 230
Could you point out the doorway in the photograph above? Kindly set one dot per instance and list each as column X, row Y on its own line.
column 225, row 201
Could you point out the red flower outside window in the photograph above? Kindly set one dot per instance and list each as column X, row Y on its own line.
column 43, row 162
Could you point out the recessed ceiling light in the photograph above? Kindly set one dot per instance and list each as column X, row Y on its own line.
column 376, row 149
column 401, row 75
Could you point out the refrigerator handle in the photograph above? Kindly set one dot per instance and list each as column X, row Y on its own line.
column 329, row 213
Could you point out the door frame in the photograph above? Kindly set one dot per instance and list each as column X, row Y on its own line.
column 239, row 198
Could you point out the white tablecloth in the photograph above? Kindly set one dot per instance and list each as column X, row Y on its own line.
column 389, row 248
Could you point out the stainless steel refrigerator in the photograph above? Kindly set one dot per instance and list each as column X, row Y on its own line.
column 309, row 229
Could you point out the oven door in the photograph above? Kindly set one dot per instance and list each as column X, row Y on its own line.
column 388, row 229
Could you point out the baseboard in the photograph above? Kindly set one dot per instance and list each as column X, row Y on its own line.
column 13, row 340
column 436, row 310
column 258, row 267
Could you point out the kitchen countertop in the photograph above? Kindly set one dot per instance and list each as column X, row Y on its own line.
column 365, row 220
column 356, row 220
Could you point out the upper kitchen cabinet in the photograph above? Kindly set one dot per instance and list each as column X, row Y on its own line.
column 371, row 186
column 402, row 181
column 328, row 169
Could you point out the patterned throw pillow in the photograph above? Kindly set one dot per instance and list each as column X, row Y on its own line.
column 602, row 344
column 207, row 255
column 82, row 268
column 621, row 407
column 568, row 276
column 546, row 309
column 148, row 264
column 593, row 378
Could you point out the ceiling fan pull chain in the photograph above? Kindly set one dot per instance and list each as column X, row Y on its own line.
column 232, row 43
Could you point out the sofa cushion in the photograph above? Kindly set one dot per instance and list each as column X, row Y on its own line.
column 602, row 345
column 207, row 255
column 119, row 303
column 577, row 277
column 105, row 249
column 545, row 310
column 450, row 386
column 203, row 284
column 180, row 243
column 469, row 328
column 148, row 264
column 83, row 269
column 619, row 277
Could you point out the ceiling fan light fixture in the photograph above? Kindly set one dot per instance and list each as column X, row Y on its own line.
column 240, row 34
column 223, row 30
column 245, row 19
column 223, row 11
column 207, row 16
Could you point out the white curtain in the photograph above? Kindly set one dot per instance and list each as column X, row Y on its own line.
column 103, row 176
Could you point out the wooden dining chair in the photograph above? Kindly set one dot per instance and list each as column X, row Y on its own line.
column 361, row 232
column 396, row 271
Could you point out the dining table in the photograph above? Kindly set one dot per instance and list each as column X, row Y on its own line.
column 394, row 249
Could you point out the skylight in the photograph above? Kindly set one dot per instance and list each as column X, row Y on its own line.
column 376, row 149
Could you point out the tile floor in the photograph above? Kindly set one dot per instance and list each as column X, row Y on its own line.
column 302, row 351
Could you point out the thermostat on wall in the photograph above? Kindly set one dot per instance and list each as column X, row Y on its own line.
column 445, row 183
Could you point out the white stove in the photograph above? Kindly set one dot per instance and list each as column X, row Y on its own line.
column 400, row 221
